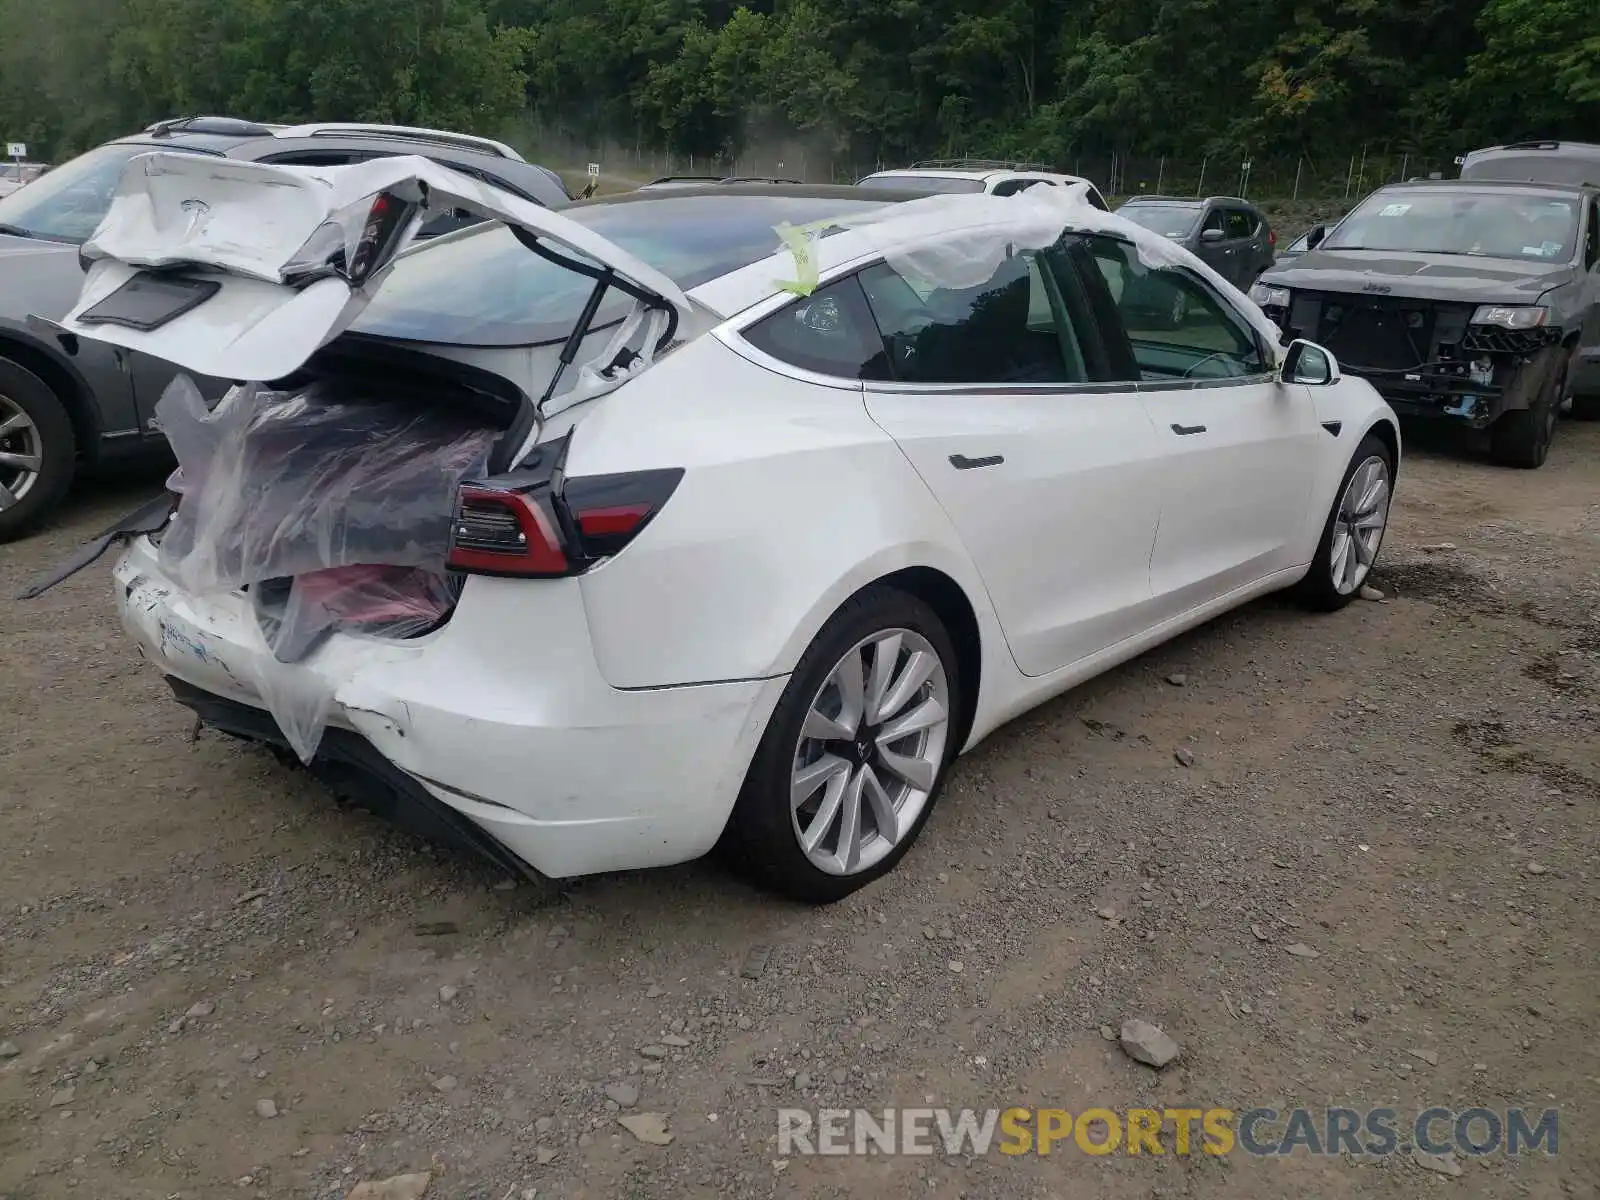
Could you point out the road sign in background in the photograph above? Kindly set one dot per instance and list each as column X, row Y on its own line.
column 16, row 150
column 594, row 170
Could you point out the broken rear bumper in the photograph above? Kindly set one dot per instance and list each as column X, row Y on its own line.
column 500, row 717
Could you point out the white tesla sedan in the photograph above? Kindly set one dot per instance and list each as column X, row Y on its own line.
column 781, row 497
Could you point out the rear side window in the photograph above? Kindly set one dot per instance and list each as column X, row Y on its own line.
column 1010, row 187
column 829, row 332
column 1012, row 328
column 1240, row 223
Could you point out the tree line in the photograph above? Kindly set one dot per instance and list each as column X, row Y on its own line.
column 866, row 80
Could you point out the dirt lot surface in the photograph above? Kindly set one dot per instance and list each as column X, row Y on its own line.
column 214, row 981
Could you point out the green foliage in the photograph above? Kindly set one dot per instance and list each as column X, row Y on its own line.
column 856, row 79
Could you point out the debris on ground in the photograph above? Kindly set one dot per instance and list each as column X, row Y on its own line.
column 1368, row 592
column 625, row 1094
column 1301, row 950
column 755, row 962
column 1442, row 1164
column 399, row 1187
column 648, row 1127
column 1184, row 755
column 1146, row 1043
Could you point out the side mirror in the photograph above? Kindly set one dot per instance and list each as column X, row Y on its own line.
column 1308, row 363
column 1315, row 235
column 1211, row 235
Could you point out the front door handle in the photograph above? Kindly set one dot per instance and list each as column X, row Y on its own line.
column 1186, row 430
column 962, row 463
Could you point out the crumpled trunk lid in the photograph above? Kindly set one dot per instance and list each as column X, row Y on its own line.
column 242, row 270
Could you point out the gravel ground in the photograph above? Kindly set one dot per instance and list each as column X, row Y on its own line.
column 214, row 981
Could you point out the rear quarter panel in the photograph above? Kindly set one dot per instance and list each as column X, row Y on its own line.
column 792, row 500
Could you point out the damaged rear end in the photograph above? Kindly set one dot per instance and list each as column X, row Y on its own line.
column 339, row 549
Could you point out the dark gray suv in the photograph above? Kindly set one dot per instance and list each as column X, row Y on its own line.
column 66, row 404
column 1228, row 234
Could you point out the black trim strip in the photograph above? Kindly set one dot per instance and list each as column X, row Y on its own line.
column 962, row 463
column 1333, row 427
column 1186, row 430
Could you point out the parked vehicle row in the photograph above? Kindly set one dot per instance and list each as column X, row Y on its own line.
column 61, row 411
column 740, row 566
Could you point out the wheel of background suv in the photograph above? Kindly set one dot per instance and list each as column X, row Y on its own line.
column 1522, row 437
column 855, row 754
column 38, row 451
column 1353, row 534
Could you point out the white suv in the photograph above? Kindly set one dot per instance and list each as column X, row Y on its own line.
column 976, row 176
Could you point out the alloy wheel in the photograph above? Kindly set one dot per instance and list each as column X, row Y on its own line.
column 870, row 751
column 21, row 453
column 1358, row 525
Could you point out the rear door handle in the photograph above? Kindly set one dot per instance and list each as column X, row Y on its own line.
column 962, row 463
column 1186, row 430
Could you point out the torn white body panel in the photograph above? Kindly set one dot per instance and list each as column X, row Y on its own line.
column 521, row 735
column 257, row 229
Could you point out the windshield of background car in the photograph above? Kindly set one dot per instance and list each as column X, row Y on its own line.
column 1169, row 220
column 67, row 204
column 923, row 183
column 484, row 288
column 1539, row 168
column 1514, row 223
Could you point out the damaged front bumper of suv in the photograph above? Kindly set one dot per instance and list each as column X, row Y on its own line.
column 1427, row 358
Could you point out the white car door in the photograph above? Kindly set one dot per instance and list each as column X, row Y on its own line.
column 1239, row 447
column 1051, row 475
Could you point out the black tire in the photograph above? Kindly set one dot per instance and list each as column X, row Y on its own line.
column 1318, row 590
column 58, row 451
column 760, row 840
column 1521, row 438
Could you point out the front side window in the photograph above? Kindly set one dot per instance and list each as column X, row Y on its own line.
column 1013, row 328
column 1178, row 328
column 1240, row 223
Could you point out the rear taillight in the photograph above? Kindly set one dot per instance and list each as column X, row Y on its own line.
column 608, row 511
column 505, row 533
column 1272, row 239
column 545, row 530
column 385, row 221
